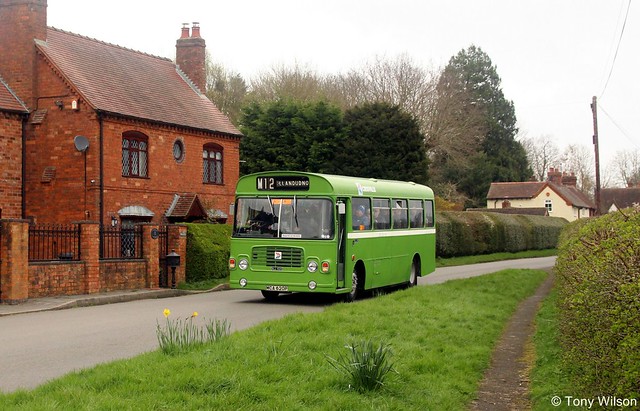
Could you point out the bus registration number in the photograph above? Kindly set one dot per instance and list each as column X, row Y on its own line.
column 277, row 288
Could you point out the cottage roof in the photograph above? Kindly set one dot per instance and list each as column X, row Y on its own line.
column 621, row 197
column 121, row 81
column 9, row 101
column 531, row 189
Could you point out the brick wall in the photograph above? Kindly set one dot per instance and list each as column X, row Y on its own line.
column 10, row 165
column 56, row 278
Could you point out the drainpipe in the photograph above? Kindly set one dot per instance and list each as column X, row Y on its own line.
column 101, row 138
column 23, row 189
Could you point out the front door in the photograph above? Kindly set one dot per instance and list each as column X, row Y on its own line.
column 342, row 238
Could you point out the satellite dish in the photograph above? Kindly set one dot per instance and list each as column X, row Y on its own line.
column 81, row 142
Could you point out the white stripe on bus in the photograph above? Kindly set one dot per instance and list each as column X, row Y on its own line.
column 389, row 233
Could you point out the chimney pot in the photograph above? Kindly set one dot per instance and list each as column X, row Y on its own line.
column 195, row 29
column 185, row 31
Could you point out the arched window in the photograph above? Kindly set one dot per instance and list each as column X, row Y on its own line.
column 134, row 154
column 212, row 164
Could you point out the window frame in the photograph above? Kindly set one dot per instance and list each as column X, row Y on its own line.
column 130, row 152
column 218, row 164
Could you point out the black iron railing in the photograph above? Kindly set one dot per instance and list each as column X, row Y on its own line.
column 120, row 242
column 54, row 242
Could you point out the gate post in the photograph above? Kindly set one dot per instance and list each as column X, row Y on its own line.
column 90, row 254
column 14, row 266
column 150, row 253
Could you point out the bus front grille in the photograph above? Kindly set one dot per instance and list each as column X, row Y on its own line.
column 277, row 257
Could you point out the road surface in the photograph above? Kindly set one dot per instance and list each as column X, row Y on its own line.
column 37, row 347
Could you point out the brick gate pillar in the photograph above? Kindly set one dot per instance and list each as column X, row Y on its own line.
column 14, row 261
column 90, row 255
column 177, row 239
column 151, row 254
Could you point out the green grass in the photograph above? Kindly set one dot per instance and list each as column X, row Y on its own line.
column 441, row 336
column 548, row 378
column 204, row 285
column 486, row 258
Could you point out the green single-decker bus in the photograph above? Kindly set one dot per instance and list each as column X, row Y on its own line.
column 318, row 233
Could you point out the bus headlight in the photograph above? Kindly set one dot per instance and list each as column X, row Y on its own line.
column 312, row 266
column 243, row 264
column 312, row 285
column 243, row 282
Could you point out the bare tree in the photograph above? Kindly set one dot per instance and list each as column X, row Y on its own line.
column 542, row 153
column 281, row 82
column 580, row 160
column 626, row 168
column 226, row 89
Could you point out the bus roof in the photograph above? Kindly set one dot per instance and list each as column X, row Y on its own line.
column 303, row 183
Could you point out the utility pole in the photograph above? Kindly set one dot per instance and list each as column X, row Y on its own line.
column 594, row 111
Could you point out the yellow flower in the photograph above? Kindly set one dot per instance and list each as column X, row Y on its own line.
column 195, row 314
column 166, row 312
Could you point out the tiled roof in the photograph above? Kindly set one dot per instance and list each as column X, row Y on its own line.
column 118, row 80
column 9, row 101
column 621, row 197
column 531, row 189
column 186, row 205
column 542, row 211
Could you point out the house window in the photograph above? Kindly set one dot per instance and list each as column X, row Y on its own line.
column 212, row 164
column 548, row 205
column 178, row 151
column 134, row 154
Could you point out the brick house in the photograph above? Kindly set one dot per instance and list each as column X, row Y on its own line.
column 558, row 195
column 107, row 133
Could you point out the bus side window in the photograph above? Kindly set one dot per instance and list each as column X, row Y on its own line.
column 428, row 208
column 416, row 214
column 381, row 214
column 400, row 214
column 361, row 214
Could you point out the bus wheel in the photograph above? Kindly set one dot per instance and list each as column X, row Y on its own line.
column 355, row 287
column 413, row 275
column 269, row 295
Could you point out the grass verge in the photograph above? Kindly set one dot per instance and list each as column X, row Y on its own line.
column 487, row 258
column 442, row 337
column 548, row 378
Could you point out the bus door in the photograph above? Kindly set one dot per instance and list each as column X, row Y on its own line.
column 341, row 213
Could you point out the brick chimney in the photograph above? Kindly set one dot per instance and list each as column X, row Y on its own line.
column 21, row 22
column 554, row 176
column 190, row 55
column 569, row 179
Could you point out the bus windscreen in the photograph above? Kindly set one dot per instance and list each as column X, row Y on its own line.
column 291, row 218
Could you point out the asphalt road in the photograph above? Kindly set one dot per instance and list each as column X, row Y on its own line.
column 37, row 347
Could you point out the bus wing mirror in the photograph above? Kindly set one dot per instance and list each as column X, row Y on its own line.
column 342, row 209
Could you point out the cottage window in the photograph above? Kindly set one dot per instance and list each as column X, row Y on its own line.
column 134, row 154
column 212, row 164
column 548, row 205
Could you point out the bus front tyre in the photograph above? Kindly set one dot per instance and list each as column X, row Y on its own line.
column 413, row 275
column 355, row 288
column 269, row 295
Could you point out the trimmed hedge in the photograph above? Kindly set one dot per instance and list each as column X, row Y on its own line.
column 461, row 233
column 598, row 270
column 207, row 251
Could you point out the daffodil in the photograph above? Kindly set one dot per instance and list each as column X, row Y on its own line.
column 195, row 314
column 166, row 312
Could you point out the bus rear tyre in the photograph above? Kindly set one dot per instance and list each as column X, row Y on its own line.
column 355, row 288
column 269, row 295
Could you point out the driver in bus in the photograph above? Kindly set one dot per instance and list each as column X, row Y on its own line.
column 360, row 218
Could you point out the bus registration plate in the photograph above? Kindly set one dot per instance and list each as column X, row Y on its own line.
column 277, row 288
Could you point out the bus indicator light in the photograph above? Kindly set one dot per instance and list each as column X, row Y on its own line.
column 232, row 263
column 325, row 267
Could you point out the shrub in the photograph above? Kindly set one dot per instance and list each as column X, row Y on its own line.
column 598, row 270
column 207, row 251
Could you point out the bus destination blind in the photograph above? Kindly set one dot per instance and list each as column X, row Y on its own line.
column 282, row 183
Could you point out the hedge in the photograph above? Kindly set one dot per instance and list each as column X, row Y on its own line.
column 207, row 251
column 598, row 268
column 461, row 233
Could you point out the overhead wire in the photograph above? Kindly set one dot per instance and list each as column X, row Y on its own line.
column 618, row 126
column 615, row 56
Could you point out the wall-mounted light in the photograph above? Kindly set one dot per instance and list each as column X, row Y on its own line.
column 74, row 104
column 114, row 221
column 59, row 104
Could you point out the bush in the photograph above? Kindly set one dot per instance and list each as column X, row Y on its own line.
column 461, row 233
column 207, row 251
column 598, row 269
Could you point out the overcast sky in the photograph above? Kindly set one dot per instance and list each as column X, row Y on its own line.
column 552, row 56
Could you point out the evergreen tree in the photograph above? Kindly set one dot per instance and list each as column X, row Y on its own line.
column 291, row 135
column 383, row 142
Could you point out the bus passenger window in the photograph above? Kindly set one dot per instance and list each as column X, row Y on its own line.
column 381, row 214
column 429, row 211
column 361, row 218
column 400, row 214
column 415, row 214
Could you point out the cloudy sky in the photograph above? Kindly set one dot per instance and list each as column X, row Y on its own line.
column 552, row 56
